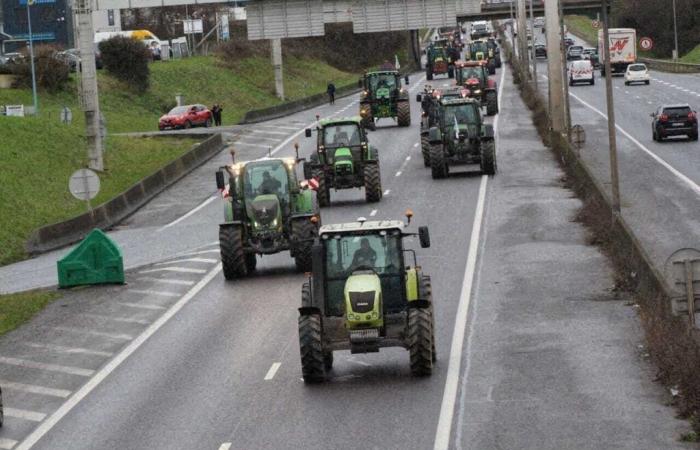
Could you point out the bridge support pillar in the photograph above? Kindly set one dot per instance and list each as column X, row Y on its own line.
column 555, row 71
column 277, row 67
column 521, row 15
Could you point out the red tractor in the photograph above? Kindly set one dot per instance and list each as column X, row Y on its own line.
column 473, row 77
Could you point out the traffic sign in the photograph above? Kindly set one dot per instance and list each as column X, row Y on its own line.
column 84, row 184
column 646, row 43
column 595, row 24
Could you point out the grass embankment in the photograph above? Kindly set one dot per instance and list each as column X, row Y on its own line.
column 15, row 309
column 693, row 56
column 582, row 27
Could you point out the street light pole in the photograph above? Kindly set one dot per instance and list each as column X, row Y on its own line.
column 675, row 33
column 612, row 138
column 31, row 56
column 532, row 49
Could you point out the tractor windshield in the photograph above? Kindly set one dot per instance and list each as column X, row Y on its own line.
column 345, row 135
column 266, row 177
column 465, row 114
column 380, row 252
column 479, row 47
column 437, row 52
column 472, row 72
column 382, row 80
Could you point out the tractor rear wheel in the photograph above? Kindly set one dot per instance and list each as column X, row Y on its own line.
column 425, row 149
column 488, row 157
column 426, row 293
column 328, row 360
column 311, row 348
column 251, row 262
column 438, row 165
column 373, row 183
column 232, row 257
column 403, row 112
column 491, row 104
column 428, row 74
column 303, row 230
column 420, row 342
column 323, row 192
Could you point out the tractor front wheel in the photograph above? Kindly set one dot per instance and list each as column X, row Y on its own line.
column 438, row 165
column 420, row 342
column 491, row 104
column 426, row 293
column 303, row 230
column 373, row 183
column 311, row 348
column 403, row 112
column 323, row 192
column 233, row 258
column 488, row 157
column 425, row 149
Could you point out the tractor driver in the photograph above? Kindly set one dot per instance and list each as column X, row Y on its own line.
column 365, row 256
column 340, row 137
column 269, row 184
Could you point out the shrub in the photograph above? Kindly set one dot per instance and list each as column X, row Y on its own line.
column 127, row 59
column 51, row 72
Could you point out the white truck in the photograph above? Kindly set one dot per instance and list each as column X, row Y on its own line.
column 623, row 49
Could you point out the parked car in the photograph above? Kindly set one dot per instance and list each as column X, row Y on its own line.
column 540, row 51
column 186, row 117
column 71, row 58
column 674, row 120
column 568, row 42
column 637, row 73
column 581, row 71
column 591, row 54
column 574, row 52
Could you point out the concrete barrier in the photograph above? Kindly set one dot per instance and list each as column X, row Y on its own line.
column 108, row 214
column 670, row 66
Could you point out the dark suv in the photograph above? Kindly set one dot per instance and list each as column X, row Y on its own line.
column 674, row 120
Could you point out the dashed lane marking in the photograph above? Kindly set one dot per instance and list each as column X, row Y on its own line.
column 272, row 371
column 117, row 319
column 415, row 145
column 174, row 269
column 141, row 305
column 24, row 414
column 398, row 174
column 43, row 366
column 7, row 444
column 117, row 336
column 174, row 281
column 69, row 350
column 41, row 390
column 225, row 446
column 178, row 261
column 387, row 192
column 154, row 292
column 193, row 211
column 373, row 213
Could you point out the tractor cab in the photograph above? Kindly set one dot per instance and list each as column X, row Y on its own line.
column 382, row 85
column 471, row 74
column 478, row 51
column 341, row 142
column 460, row 117
column 384, row 97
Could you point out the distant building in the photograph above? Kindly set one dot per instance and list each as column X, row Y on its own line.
column 51, row 22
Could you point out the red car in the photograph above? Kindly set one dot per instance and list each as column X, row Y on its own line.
column 186, row 117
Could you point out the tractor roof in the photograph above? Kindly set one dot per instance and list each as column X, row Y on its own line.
column 470, row 63
column 382, row 72
column 354, row 227
column 288, row 161
column 339, row 120
column 459, row 101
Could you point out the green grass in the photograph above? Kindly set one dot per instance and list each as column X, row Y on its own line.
column 693, row 56
column 582, row 27
column 16, row 309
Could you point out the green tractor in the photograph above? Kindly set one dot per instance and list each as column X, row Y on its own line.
column 343, row 160
column 439, row 61
column 481, row 51
column 363, row 295
column 265, row 212
column 461, row 137
column 430, row 100
column 382, row 96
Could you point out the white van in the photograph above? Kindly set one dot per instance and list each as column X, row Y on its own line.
column 581, row 71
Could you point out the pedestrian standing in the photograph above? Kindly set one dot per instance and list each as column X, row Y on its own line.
column 216, row 113
column 331, row 93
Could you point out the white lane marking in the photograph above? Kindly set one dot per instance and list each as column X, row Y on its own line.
column 62, row 393
column 273, row 370
column 373, row 213
column 174, row 281
column 387, row 192
column 117, row 336
column 117, row 319
column 617, row 87
column 658, row 159
column 175, row 269
column 153, row 292
column 249, row 144
column 415, row 145
column 284, row 127
column 449, row 397
column 7, row 444
column 398, row 174
column 43, row 366
column 104, row 372
column 281, row 133
column 178, row 261
column 202, row 252
column 69, row 350
column 637, row 97
column 193, row 211
column 258, row 138
column 225, row 446
column 408, row 158
column 141, row 305
column 24, row 414
column 648, row 102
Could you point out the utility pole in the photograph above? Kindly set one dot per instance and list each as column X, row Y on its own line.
column 675, row 33
column 512, row 26
column 522, row 33
column 31, row 57
column 85, row 40
column 567, row 105
column 554, row 65
column 532, row 50
column 612, row 138
column 277, row 66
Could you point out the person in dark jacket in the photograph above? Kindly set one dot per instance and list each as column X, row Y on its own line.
column 216, row 114
column 331, row 93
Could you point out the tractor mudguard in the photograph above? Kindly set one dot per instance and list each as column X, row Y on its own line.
column 228, row 210
column 308, row 170
column 303, row 204
column 412, row 285
column 487, row 132
column 309, row 310
column 491, row 84
column 235, row 223
column 372, row 153
column 434, row 135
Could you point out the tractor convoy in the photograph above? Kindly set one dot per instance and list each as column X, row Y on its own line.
column 365, row 289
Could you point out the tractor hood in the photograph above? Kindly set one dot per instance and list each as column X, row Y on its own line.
column 265, row 212
column 363, row 300
column 382, row 93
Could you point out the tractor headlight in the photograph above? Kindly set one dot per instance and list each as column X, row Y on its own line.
column 477, row 92
column 351, row 316
column 274, row 222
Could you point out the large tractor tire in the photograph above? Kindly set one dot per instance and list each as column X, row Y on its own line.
column 310, row 346
column 491, row 103
column 328, row 361
column 373, row 183
column 428, row 74
column 420, row 342
column 323, row 193
column 403, row 112
column 451, row 72
column 303, row 229
column 438, row 165
column 426, row 293
column 233, row 258
column 425, row 149
column 488, row 157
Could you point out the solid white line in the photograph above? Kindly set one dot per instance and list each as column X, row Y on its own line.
column 193, row 211
column 175, row 269
column 34, row 389
column 202, row 252
column 152, row 292
column 169, row 280
column 225, row 446
column 24, row 414
column 658, row 159
column 387, row 192
column 117, row 319
column 273, row 370
column 43, row 366
column 7, row 444
column 118, row 336
column 178, row 261
column 103, row 373
column 142, row 305
column 70, row 350
column 373, row 213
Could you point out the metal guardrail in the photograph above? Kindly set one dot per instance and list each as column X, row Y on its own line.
column 670, row 66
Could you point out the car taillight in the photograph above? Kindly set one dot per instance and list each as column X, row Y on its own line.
column 663, row 118
column 691, row 116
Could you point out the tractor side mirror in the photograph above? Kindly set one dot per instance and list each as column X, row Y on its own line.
column 406, row 79
column 220, row 181
column 419, row 98
column 424, row 236
column 307, row 132
column 652, row 115
column 360, row 83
